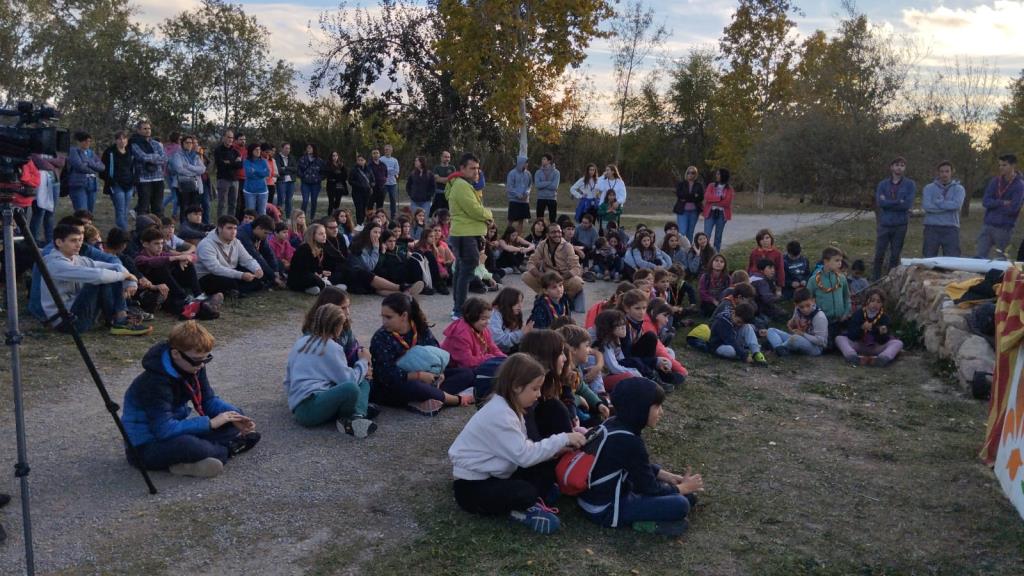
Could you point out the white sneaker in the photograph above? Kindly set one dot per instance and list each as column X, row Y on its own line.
column 360, row 427
column 205, row 468
column 313, row 290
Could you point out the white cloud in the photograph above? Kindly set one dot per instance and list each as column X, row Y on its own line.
column 986, row 31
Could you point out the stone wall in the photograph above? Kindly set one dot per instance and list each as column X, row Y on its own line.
column 921, row 296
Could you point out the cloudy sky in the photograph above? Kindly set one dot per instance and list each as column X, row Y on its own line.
column 989, row 29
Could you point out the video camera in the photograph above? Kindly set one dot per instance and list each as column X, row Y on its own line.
column 30, row 135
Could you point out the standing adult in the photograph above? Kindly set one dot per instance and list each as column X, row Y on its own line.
column 546, row 182
column 228, row 160
column 1003, row 198
column 689, row 202
column 517, row 189
column 441, row 173
column 941, row 201
column 556, row 254
column 391, row 182
column 149, row 161
column 311, row 168
column 718, row 206
column 469, row 224
column 83, row 169
column 187, row 169
column 894, row 197
column 362, row 180
column 204, row 196
column 243, row 152
column 287, row 171
column 255, row 185
column 171, row 146
column 380, row 180
column 47, row 195
column 420, row 186
column 584, row 191
column 337, row 181
column 118, row 176
column 611, row 181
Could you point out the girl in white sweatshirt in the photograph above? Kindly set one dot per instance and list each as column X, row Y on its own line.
column 497, row 469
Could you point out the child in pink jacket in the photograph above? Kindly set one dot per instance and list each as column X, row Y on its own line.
column 468, row 339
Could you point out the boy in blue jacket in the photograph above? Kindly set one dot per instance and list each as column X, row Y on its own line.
column 157, row 415
column 636, row 492
column 733, row 335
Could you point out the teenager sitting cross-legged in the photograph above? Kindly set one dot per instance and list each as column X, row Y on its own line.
column 224, row 265
column 177, row 272
column 158, row 417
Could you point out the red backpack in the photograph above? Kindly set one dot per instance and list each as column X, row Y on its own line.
column 574, row 469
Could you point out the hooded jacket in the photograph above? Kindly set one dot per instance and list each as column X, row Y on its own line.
column 156, row 404
column 632, row 399
column 894, row 201
column 941, row 203
column 223, row 259
column 469, row 216
column 997, row 213
column 468, row 348
column 546, row 181
column 518, row 182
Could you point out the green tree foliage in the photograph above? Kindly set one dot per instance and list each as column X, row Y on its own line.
column 691, row 95
column 391, row 49
column 521, row 48
column 759, row 50
column 219, row 56
column 634, row 38
column 1008, row 136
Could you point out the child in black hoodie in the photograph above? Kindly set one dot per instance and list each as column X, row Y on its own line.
column 643, row 495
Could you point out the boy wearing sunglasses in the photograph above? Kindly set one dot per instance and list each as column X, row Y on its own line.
column 159, row 404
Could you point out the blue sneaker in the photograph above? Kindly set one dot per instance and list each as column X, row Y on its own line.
column 539, row 517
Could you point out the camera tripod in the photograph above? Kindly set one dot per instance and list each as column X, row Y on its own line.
column 13, row 338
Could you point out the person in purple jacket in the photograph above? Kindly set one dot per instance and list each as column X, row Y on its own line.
column 1003, row 198
column 894, row 197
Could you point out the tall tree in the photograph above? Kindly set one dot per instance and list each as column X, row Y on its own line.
column 634, row 38
column 245, row 85
column 521, row 48
column 1009, row 132
column 759, row 50
column 694, row 84
column 386, row 57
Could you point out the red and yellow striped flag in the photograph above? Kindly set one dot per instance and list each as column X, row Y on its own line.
column 1009, row 338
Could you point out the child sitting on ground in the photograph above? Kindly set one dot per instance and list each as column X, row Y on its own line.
column 831, row 292
column 156, row 412
column 798, row 269
column 766, row 250
column 590, row 408
column 468, row 339
column 767, row 292
column 281, row 246
column 552, row 302
column 507, row 327
column 320, row 385
column 733, row 336
column 498, row 470
column 867, row 340
column 611, row 303
column 641, row 344
column 808, row 325
column 712, row 283
column 858, row 283
column 639, row 494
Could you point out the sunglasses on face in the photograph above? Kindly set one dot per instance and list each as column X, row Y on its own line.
column 194, row 362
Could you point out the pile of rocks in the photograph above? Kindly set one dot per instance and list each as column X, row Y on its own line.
column 921, row 294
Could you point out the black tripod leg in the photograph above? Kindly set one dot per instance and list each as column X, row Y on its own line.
column 66, row 317
column 13, row 339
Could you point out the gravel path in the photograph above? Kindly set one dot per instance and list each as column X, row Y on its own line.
column 299, row 493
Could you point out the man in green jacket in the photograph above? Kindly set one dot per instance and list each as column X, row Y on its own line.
column 469, row 225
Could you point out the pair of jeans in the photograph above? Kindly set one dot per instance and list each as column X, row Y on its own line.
column 284, row 196
column 392, row 190
column 43, row 217
column 227, row 195
column 401, row 393
column 93, row 298
column 204, row 201
column 151, row 195
column 747, row 344
column 794, row 343
column 551, row 205
column 257, row 202
column 310, row 194
column 174, row 199
column 84, row 196
column 181, row 283
column 715, row 221
column 687, row 222
column 641, row 508
column 425, row 206
column 888, row 238
column 993, row 237
column 185, row 449
column 345, row 400
column 121, row 197
column 946, row 238
column 467, row 256
column 851, row 349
